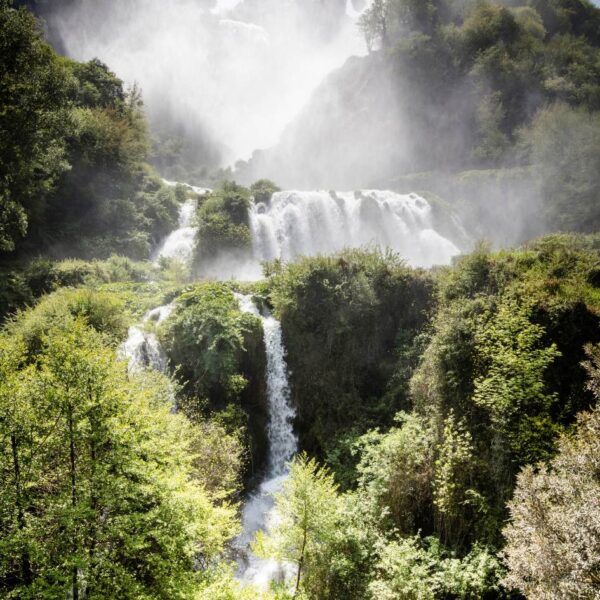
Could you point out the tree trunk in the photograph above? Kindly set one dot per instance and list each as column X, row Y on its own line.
column 94, row 509
column 25, row 562
column 300, row 563
column 75, row 588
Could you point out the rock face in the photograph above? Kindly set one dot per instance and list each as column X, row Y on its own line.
column 254, row 401
column 345, row 138
column 368, row 122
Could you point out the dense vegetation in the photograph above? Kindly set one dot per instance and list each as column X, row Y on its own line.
column 351, row 325
column 100, row 494
column 218, row 356
column 223, row 227
column 492, row 105
column 486, row 386
column 73, row 174
column 461, row 377
column 447, row 418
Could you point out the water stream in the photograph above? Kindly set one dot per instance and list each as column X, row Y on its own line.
column 180, row 243
column 259, row 511
column 141, row 349
column 292, row 224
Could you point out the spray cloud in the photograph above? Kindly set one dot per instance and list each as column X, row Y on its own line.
column 232, row 71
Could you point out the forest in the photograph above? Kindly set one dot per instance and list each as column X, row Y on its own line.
column 438, row 433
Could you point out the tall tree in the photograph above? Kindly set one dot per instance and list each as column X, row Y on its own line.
column 97, row 473
column 306, row 509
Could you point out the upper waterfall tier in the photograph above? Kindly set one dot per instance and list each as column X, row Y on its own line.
column 298, row 223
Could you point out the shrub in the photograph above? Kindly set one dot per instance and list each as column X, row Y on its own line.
column 223, row 225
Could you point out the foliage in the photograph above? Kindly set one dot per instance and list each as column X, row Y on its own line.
column 484, row 88
column 263, row 189
column 218, row 356
column 348, row 321
column 395, row 472
column 345, row 548
column 513, row 390
column 206, row 340
column 97, row 493
column 569, row 178
column 306, row 507
column 74, row 145
column 223, row 225
column 413, row 568
column 507, row 324
column 23, row 283
column 34, row 87
column 100, row 311
column 553, row 541
column 219, row 458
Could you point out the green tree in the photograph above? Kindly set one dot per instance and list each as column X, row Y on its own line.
column 223, row 226
column 417, row 569
column 206, row 339
column 396, row 470
column 263, row 190
column 569, row 179
column 513, row 360
column 103, row 502
column 34, row 89
column 307, row 518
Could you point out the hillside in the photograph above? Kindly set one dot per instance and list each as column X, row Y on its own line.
column 243, row 391
column 470, row 101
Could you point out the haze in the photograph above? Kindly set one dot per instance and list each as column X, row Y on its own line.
column 232, row 72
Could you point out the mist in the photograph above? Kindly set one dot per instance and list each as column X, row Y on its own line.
column 229, row 75
column 286, row 90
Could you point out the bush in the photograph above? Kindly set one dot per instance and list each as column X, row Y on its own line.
column 263, row 189
column 101, row 311
column 417, row 568
column 218, row 356
column 349, row 321
column 553, row 539
column 223, row 225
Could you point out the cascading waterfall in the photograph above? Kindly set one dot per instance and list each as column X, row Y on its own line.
column 308, row 223
column 141, row 349
column 258, row 511
column 180, row 243
column 293, row 224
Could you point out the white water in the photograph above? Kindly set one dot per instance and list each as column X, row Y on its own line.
column 309, row 223
column 201, row 191
column 180, row 243
column 141, row 349
column 258, row 511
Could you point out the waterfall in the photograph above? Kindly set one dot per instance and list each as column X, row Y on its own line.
column 258, row 511
column 297, row 223
column 179, row 244
column 141, row 349
column 293, row 224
